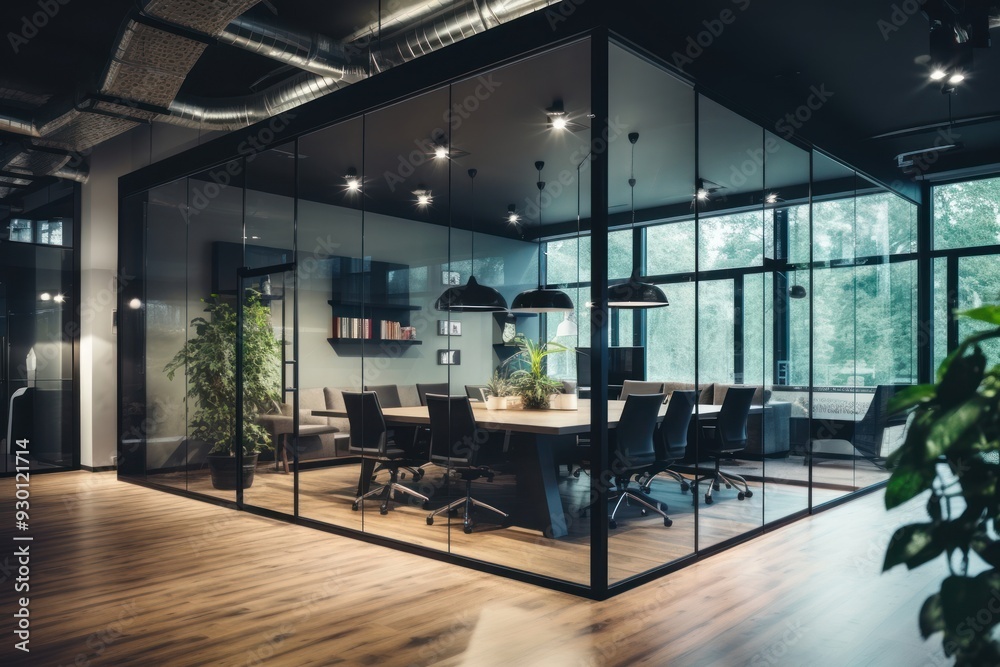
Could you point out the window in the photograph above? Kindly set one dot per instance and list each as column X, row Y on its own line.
column 670, row 248
column 967, row 215
column 731, row 241
column 21, row 230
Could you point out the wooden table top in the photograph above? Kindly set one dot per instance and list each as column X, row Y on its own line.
column 543, row 422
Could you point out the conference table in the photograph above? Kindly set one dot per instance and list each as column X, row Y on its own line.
column 538, row 435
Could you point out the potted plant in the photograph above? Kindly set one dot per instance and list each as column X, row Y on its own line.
column 530, row 382
column 209, row 361
column 498, row 389
column 950, row 458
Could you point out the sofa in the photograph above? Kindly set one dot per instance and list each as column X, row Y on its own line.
column 767, row 431
column 319, row 437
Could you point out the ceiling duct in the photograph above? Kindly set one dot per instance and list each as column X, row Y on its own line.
column 149, row 66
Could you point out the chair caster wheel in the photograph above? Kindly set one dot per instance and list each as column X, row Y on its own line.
column 708, row 500
column 612, row 523
column 716, row 486
column 383, row 510
column 642, row 511
column 402, row 476
column 729, row 486
column 740, row 495
column 749, row 494
column 576, row 474
column 685, row 487
column 667, row 522
column 430, row 521
column 467, row 530
column 354, row 506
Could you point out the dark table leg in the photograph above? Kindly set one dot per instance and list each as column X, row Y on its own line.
column 538, row 482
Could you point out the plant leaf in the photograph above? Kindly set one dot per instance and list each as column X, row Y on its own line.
column 990, row 314
column 931, row 616
column 906, row 483
column 913, row 545
column 911, row 396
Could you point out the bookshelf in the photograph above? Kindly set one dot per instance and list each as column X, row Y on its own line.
column 371, row 305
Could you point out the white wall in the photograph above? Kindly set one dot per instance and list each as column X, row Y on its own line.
column 98, row 263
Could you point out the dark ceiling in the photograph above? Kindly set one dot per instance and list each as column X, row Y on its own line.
column 766, row 60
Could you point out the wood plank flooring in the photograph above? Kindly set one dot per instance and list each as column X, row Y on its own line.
column 123, row 575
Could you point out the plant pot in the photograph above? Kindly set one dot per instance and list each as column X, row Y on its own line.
column 567, row 402
column 223, row 469
column 496, row 402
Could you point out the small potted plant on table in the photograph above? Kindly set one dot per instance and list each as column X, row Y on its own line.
column 498, row 389
column 531, row 382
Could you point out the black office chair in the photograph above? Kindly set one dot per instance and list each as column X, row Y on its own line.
column 454, row 445
column 671, row 446
column 725, row 438
column 436, row 388
column 866, row 440
column 388, row 395
column 476, row 392
column 630, row 387
column 635, row 452
column 369, row 438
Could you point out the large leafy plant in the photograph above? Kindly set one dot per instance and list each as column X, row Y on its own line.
column 209, row 359
column 530, row 381
column 951, row 451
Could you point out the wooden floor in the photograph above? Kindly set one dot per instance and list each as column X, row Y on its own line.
column 124, row 575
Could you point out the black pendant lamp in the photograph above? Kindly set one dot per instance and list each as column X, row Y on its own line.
column 472, row 297
column 541, row 300
column 633, row 293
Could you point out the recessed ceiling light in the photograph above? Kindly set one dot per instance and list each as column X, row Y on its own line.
column 559, row 122
column 512, row 216
column 424, row 197
column 45, row 296
column 559, row 119
column 59, row 298
column 440, row 152
column 938, row 74
column 135, row 304
column 352, row 181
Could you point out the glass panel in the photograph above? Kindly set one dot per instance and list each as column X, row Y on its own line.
column 504, row 134
column 729, row 198
column 785, row 324
column 660, row 109
column 978, row 285
column 966, row 214
column 331, row 191
column 940, row 306
column 215, row 254
column 169, row 451
column 269, row 316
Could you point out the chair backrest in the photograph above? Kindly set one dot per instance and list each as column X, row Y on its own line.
column 630, row 387
column 476, row 392
column 367, row 423
column 634, row 447
column 731, row 426
column 674, row 430
column 869, row 431
column 388, row 395
column 453, row 430
column 569, row 386
column 424, row 389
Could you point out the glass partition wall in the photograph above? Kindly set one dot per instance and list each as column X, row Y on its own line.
column 380, row 258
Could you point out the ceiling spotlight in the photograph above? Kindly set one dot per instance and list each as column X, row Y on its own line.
column 135, row 304
column 45, row 296
column 352, row 181
column 704, row 189
column 512, row 216
column 772, row 198
column 956, row 78
column 424, row 197
column 938, row 74
column 440, row 150
column 59, row 298
column 559, row 120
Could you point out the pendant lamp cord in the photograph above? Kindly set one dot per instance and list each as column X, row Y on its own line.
column 472, row 260
column 541, row 185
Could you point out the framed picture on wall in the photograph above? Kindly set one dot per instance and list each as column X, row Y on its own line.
column 449, row 328
column 449, row 357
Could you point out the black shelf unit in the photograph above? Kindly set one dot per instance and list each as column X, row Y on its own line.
column 378, row 291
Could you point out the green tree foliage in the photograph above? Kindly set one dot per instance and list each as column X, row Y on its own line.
column 209, row 360
column 951, row 451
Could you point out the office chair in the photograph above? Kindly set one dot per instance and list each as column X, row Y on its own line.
column 454, row 445
column 671, row 446
column 476, row 392
column 436, row 388
column 369, row 439
column 728, row 436
column 630, row 387
column 634, row 453
column 388, row 395
column 867, row 437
